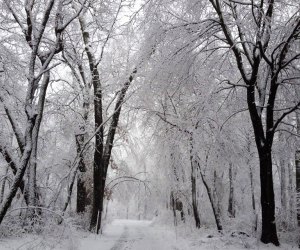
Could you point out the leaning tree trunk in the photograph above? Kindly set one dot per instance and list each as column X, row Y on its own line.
column 101, row 158
column 210, row 194
column 3, row 183
column 21, row 170
column 70, row 191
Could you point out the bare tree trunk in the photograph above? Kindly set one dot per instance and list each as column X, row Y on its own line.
column 70, row 191
column 101, row 161
column 292, row 198
column 21, row 170
column 210, row 194
column 33, row 194
column 173, row 206
column 269, row 233
column 13, row 166
column 3, row 184
column 81, row 187
column 216, row 194
column 231, row 202
column 194, row 192
column 251, row 178
column 194, row 199
column 283, row 186
column 253, row 197
column 264, row 142
column 193, row 162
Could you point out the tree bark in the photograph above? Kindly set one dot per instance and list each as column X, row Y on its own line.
column 194, row 199
column 193, row 162
column 3, row 184
column 216, row 214
column 253, row 197
column 231, row 202
column 269, row 233
column 292, row 191
column 81, row 187
column 173, row 206
column 21, row 170
column 33, row 194
column 193, row 183
column 264, row 141
column 70, row 191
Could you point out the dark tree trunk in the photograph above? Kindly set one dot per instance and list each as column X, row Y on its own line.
column 81, row 187
column 70, row 191
column 194, row 195
column 193, row 182
column 102, row 154
column 194, row 202
column 216, row 213
column 81, row 194
column 99, row 175
column 32, row 190
column 253, row 197
column 21, row 170
column 264, row 143
column 231, row 202
column 13, row 167
column 269, row 233
column 173, row 208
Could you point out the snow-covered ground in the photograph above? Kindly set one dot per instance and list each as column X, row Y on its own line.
column 137, row 235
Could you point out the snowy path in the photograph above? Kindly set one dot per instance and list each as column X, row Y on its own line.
column 137, row 235
column 118, row 235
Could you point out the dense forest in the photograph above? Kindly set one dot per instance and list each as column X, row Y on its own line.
column 182, row 114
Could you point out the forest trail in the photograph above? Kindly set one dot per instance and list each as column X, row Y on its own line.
column 139, row 235
column 146, row 235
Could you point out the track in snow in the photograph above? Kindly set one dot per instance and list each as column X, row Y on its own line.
column 139, row 235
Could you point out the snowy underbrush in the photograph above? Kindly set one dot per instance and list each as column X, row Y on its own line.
column 47, row 230
column 163, row 218
column 44, row 231
column 237, row 234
